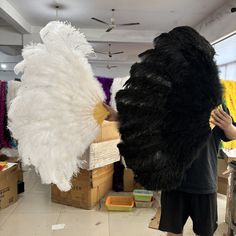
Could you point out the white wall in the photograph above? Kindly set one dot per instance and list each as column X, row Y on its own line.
column 9, row 36
column 29, row 38
column 7, row 76
column 10, row 62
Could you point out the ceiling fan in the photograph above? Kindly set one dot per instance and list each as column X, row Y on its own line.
column 112, row 24
column 109, row 53
column 108, row 66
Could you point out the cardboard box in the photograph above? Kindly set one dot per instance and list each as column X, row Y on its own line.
column 129, row 182
column 222, row 185
column 231, row 199
column 154, row 223
column 222, row 179
column 108, row 132
column 87, row 188
column 221, row 168
column 101, row 154
column 15, row 160
column 8, row 186
column 20, row 182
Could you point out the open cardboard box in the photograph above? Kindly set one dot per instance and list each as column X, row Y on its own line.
column 109, row 131
column 129, row 182
column 154, row 223
column 8, row 185
column 87, row 188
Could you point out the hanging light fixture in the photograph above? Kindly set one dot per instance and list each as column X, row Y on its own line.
column 57, row 7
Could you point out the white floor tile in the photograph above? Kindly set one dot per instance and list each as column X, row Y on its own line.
column 37, row 203
column 28, row 224
column 132, row 223
column 84, row 222
column 30, row 180
column 5, row 213
column 34, row 214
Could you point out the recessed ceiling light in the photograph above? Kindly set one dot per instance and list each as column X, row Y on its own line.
column 3, row 66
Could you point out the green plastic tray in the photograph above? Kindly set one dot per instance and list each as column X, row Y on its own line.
column 142, row 195
column 140, row 204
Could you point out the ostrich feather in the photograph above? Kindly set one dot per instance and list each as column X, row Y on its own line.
column 52, row 116
column 165, row 107
column 118, row 84
column 62, row 36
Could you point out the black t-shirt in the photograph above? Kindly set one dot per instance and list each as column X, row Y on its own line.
column 201, row 177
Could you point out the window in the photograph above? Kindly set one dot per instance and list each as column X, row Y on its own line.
column 226, row 57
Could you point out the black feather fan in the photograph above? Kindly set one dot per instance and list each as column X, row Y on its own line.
column 165, row 107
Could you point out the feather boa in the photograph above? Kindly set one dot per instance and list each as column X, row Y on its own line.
column 6, row 140
column 230, row 101
column 52, row 116
column 106, row 85
column 165, row 107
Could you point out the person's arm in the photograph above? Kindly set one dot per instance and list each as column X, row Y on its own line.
column 224, row 121
column 113, row 115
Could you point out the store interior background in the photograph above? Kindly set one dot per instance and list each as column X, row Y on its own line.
column 20, row 23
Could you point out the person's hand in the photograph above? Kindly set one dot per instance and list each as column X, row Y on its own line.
column 113, row 115
column 221, row 119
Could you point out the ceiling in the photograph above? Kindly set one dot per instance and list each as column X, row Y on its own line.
column 155, row 16
column 161, row 15
column 3, row 22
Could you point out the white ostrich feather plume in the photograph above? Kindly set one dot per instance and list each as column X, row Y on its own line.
column 117, row 85
column 52, row 114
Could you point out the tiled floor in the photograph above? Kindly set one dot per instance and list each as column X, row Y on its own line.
column 34, row 214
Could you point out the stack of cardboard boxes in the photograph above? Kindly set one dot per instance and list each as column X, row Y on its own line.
column 91, row 184
column 87, row 188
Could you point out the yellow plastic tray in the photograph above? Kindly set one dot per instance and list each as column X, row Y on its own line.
column 119, row 203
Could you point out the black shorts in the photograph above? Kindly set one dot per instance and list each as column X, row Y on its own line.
column 177, row 206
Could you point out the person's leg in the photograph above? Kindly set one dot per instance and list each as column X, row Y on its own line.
column 204, row 214
column 174, row 212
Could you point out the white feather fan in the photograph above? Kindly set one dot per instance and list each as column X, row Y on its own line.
column 117, row 85
column 53, row 116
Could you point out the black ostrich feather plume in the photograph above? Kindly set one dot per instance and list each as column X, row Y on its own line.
column 165, row 106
